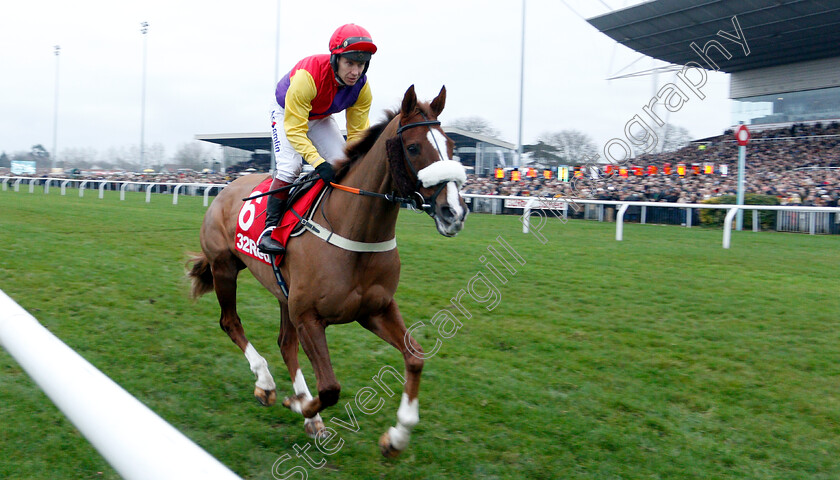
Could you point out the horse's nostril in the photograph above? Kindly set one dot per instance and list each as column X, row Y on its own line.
column 447, row 213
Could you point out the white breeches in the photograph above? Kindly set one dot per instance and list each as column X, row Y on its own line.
column 324, row 135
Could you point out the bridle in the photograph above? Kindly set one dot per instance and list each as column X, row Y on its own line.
column 415, row 200
column 427, row 205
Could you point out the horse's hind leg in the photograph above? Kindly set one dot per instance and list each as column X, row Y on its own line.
column 288, row 343
column 313, row 339
column 390, row 327
column 225, row 272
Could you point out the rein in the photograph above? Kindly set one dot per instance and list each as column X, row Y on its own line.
column 385, row 196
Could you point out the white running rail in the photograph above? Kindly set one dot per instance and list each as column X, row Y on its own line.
column 132, row 438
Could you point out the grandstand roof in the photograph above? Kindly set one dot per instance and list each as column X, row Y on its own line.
column 262, row 140
column 778, row 32
column 244, row 141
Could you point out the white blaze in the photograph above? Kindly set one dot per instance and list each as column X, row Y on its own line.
column 453, row 198
column 443, row 170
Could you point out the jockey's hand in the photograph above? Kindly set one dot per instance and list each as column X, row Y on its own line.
column 326, row 172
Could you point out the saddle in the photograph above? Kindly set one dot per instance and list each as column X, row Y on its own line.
column 302, row 202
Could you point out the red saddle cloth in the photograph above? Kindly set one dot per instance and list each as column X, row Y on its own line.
column 251, row 221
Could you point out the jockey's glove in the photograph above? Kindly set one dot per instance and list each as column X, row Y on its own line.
column 325, row 171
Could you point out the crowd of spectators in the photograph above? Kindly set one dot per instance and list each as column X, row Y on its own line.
column 800, row 165
column 124, row 176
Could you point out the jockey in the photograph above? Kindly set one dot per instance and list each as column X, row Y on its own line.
column 302, row 125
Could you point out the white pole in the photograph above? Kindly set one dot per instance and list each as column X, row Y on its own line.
column 144, row 29
column 133, row 439
column 54, row 162
column 519, row 148
column 277, row 50
column 742, row 153
column 727, row 225
column 272, row 167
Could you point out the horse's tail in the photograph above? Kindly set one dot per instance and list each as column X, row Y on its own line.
column 200, row 274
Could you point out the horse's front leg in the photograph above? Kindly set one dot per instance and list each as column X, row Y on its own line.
column 390, row 327
column 288, row 343
column 313, row 339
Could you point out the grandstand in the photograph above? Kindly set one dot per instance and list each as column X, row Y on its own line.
column 782, row 60
column 782, row 57
column 479, row 153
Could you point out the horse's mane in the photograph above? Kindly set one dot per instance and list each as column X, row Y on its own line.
column 359, row 148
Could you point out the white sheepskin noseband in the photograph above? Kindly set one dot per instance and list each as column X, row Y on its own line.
column 442, row 171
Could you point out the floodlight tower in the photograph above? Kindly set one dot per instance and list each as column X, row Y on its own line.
column 144, row 29
column 519, row 147
column 54, row 156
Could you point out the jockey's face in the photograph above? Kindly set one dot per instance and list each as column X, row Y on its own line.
column 350, row 71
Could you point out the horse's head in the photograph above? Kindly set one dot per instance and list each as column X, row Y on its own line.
column 420, row 159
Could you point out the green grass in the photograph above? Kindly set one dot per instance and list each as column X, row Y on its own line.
column 662, row 356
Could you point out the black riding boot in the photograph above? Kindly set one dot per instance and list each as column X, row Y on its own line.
column 273, row 213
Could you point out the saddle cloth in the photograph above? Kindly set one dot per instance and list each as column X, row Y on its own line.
column 251, row 221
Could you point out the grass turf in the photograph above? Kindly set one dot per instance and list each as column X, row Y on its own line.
column 662, row 356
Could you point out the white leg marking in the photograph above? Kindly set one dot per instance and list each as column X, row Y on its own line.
column 300, row 385
column 301, row 388
column 260, row 368
column 408, row 416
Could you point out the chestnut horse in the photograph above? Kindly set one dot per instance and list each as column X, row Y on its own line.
column 407, row 153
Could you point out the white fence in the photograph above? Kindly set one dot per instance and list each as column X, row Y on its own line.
column 124, row 185
column 557, row 205
column 132, row 438
column 802, row 219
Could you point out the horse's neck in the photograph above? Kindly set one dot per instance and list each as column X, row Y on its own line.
column 364, row 218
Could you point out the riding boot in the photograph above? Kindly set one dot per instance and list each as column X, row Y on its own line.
column 273, row 213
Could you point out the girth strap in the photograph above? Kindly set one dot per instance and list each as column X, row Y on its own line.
column 335, row 239
column 352, row 245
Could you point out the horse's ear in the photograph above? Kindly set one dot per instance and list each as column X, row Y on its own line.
column 409, row 103
column 439, row 101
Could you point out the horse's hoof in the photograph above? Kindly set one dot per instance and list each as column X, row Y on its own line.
column 313, row 428
column 266, row 398
column 388, row 450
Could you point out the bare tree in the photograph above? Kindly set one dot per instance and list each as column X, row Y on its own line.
column 193, row 155
column 127, row 158
column 672, row 137
column 79, row 157
column 573, row 146
column 155, row 155
column 475, row 125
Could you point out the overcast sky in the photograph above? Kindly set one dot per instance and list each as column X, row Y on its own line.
column 211, row 67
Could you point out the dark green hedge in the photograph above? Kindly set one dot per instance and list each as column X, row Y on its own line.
column 714, row 217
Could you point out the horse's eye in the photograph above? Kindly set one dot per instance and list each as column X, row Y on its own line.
column 413, row 149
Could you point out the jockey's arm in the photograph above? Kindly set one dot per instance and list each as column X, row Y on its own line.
column 296, row 119
column 358, row 115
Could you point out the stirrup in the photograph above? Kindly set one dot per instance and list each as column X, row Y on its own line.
column 269, row 245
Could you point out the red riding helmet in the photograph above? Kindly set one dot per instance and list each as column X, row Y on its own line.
column 353, row 42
